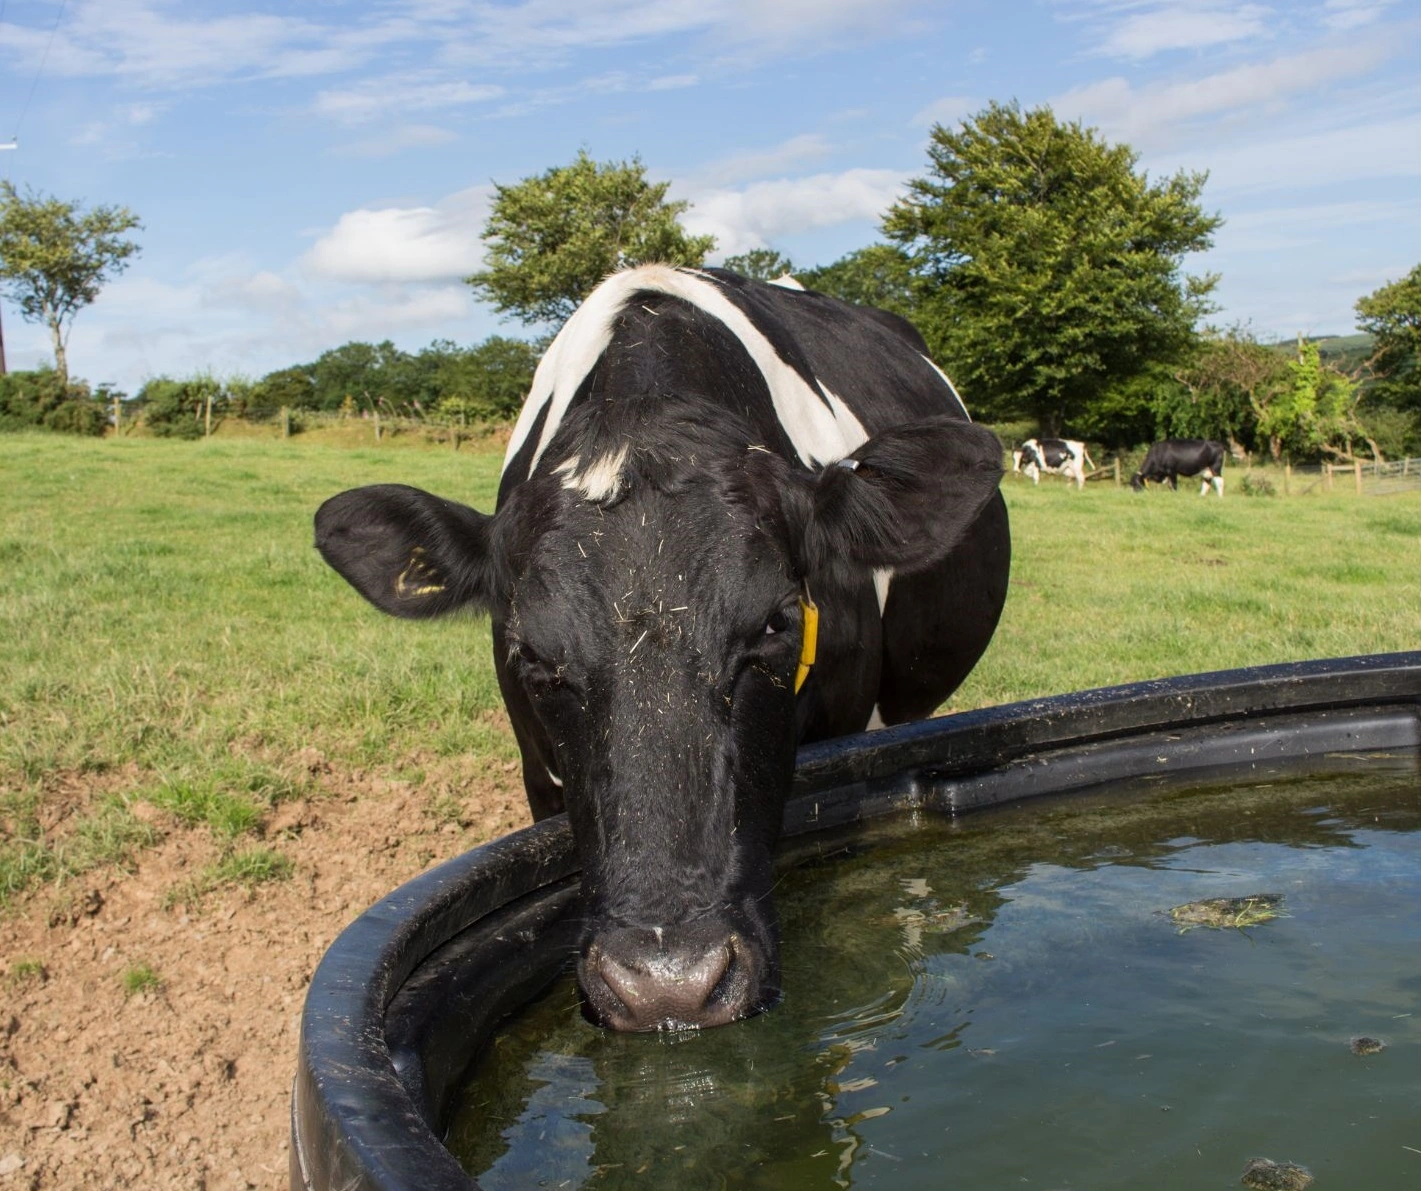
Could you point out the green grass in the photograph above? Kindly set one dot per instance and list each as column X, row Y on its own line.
column 163, row 609
column 247, row 867
column 140, row 978
column 27, row 970
column 107, row 834
column 1110, row 586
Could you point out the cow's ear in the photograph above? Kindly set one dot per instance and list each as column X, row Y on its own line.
column 906, row 497
column 407, row 552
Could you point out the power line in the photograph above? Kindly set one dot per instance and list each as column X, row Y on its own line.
column 25, row 111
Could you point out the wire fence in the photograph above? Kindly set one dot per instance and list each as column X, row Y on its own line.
column 1360, row 477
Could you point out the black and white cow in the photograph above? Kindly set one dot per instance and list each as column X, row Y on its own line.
column 1171, row 458
column 706, row 466
column 1062, row 456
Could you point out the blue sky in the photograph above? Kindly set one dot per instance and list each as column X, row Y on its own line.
column 317, row 171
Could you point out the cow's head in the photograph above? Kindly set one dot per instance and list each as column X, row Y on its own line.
column 648, row 607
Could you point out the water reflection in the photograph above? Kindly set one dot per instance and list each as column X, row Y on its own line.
column 1004, row 1001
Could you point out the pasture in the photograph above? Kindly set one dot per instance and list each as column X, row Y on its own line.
column 166, row 616
column 213, row 754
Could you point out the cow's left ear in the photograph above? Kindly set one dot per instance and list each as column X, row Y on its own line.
column 406, row 551
column 906, row 497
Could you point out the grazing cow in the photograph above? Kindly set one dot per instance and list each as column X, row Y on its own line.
column 706, row 470
column 1174, row 457
column 1063, row 456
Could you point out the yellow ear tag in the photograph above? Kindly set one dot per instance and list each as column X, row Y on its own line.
column 811, row 640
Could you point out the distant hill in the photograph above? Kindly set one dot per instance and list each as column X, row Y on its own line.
column 1343, row 352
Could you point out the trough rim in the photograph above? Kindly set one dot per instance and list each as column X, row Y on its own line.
column 355, row 1124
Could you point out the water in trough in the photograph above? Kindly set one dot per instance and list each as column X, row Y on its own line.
column 1031, row 997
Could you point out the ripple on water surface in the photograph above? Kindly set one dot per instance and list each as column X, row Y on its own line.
column 1008, row 1002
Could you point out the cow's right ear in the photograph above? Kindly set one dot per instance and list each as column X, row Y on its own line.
column 904, row 498
column 409, row 553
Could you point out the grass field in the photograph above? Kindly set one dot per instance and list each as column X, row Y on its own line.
column 168, row 634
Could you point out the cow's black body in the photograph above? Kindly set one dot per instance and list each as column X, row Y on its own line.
column 700, row 455
column 1171, row 458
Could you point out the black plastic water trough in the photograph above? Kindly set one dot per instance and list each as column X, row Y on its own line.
column 407, row 995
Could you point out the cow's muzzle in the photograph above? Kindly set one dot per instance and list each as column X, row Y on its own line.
column 648, row 978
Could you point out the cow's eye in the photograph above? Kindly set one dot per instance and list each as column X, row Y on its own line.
column 533, row 663
column 777, row 623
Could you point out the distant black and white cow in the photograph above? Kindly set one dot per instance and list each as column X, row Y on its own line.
column 705, row 469
column 1063, row 456
column 1171, row 458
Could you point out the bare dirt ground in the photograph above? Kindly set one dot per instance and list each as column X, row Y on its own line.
column 188, row 1085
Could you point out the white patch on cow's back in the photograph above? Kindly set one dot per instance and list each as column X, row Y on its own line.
column 951, row 388
column 819, row 433
column 881, row 579
column 785, row 281
column 600, row 480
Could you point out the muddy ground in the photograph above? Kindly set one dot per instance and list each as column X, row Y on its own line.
column 188, row 1085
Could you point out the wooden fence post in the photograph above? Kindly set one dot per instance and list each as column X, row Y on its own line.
column 1327, row 477
column 117, row 414
column 377, row 425
column 1357, row 471
column 1287, row 475
column 285, row 421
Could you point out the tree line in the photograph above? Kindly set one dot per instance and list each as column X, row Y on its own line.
column 1044, row 269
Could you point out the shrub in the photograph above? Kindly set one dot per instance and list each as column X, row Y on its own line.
column 38, row 400
column 1255, row 483
column 174, row 408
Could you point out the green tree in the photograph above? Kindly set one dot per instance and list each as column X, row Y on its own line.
column 1045, row 268
column 1313, row 412
column 878, row 275
column 1392, row 315
column 764, row 264
column 54, row 258
column 292, row 387
column 486, row 383
column 1226, row 385
column 552, row 238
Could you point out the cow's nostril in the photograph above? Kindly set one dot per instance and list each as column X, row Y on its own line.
column 657, row 984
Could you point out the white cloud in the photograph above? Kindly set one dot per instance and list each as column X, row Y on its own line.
column 405, row 244
column 1357, row 154
column 946, row 111
column 1149, row 114
column 397, row 140
column 1173, row 26
column 382, row 97
column 1364, row 281
column 227, row 316
column 761, row 213
column 146, row 42
column 161, row 44
column 1351, row 14
column 756, row 163
column 397, row 308
column 1276, row 229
